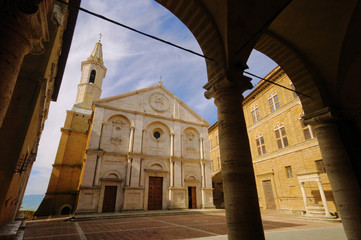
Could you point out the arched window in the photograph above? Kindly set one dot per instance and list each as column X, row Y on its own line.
column 92, row 76
column 261, row 147
column 281, row 136
column 273, row 101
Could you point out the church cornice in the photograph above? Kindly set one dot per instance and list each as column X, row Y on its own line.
column 94, row 63
column 68, row 165
column 158, row 86
column 148, row 115
column 69, row 130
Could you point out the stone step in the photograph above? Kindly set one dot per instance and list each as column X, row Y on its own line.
column 320, row 218
column 315, row 206
column 316, row 213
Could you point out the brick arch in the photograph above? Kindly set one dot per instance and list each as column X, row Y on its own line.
column 296, row 68
column 200, row 22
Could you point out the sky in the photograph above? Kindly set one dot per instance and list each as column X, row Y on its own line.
column 133, row 62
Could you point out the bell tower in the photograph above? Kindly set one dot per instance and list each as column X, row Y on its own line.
column 62, row 193
column 93, row 73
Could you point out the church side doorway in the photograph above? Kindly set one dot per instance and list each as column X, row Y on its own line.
column 110, row 196
column 155, row 192
column 192, row 199
column 268, row 194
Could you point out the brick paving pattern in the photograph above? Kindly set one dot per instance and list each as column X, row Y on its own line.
column 156, row 227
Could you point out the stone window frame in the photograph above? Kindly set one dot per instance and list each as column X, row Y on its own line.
column 307, row 129
column 217, row 139
column 219, row 161
column 211, row 165
column 289, row 171
column 273, row 101
column 210, row 144
column 320, row 166
column 161, row 132
column 260, row 144
column 255, row 113
column 281, row 135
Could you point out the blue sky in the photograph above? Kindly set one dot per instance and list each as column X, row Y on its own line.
column 133, row 61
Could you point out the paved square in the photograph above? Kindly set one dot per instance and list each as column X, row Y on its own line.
column 212, row 225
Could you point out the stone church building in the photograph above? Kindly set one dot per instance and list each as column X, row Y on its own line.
column 144, row 149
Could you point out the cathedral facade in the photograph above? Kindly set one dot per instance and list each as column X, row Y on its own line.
column 143, row 150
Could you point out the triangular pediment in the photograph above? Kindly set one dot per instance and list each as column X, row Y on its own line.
column 155, row 100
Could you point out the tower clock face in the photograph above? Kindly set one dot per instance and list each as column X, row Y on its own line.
column 159, row 102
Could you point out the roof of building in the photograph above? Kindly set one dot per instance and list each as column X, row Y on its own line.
column 97, row 54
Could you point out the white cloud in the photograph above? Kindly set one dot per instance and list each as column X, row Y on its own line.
column 133, row 61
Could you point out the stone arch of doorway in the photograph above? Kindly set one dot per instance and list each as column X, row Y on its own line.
column 117, row 185
column 165, row 183
column 301, row 74
column 65, row 209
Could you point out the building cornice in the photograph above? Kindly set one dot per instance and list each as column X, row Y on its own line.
column 148, row 115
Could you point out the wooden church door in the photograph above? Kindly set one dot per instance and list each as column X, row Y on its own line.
column 155, row 192
column 110, row 197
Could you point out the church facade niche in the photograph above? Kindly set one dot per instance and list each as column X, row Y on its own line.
column 115, row 134
column 191, row 143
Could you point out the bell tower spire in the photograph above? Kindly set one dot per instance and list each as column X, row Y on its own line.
column 93, row 73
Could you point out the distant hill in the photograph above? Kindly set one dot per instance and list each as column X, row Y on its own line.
column 31, row 202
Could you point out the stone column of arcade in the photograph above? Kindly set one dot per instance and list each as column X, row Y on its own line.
column 15, row 43
column 239, row 186
column 345, row 187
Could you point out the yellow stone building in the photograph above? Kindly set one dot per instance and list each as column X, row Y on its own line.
column 62, row 193
column 287, row 162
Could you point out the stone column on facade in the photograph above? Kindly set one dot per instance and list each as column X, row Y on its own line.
column 129, row 165
column 171, row 166
column 172, row 144
column 98, row 170
column 344, row 184
column 171, row 172
column 304, row 196
column 323, row 197
column 131, row 140
column 202, row 174
column 240, row 192
column 202, row 184
column 15, row 43
column 201, row 148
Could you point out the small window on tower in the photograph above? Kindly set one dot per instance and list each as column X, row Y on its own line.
column 92, row 76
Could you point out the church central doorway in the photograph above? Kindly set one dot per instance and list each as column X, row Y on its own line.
column 268, row 194
column 155, row 193
column 192, row 199
column 110, row 196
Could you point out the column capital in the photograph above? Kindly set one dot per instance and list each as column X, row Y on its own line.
column 227, row 82
column 29, row 18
